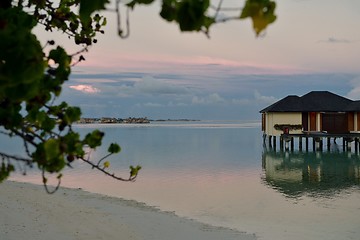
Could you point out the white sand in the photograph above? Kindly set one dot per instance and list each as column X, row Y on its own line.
column 28, row 212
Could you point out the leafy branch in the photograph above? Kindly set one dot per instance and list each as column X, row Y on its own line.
column 7, row 166
column 32, row 74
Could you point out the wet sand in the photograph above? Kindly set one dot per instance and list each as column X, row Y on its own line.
column 28, row 212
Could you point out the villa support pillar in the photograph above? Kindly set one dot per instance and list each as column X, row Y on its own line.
column 286, row 145
column 321, row 144
column 300, row 143
column 356, row 145
column 274, row 143
column 314, row 145
column 270, row 141
column 328, row 143
column 348, row 146
column 307, row 143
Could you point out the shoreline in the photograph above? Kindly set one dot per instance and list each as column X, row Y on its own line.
column 28, row 212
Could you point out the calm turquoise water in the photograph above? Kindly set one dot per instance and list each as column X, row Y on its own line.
column 220, row 173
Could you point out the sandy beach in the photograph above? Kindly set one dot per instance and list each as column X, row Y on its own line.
column 28, row 212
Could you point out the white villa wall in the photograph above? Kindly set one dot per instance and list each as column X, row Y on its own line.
column 273, row 118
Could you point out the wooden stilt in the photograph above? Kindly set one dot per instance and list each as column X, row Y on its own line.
column 287, row 141
column 274, row 143
column 356, row 145
column 348, row 146
column 307, row 143
column 314, row 145
column 270, row 141
column 321, row 144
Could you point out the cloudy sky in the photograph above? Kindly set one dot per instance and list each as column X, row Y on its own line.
column 159, row 72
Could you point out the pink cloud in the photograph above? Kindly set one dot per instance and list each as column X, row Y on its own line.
column 85, row 88
column 191, row 64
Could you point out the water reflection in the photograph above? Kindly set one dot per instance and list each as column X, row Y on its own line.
column 315, row 174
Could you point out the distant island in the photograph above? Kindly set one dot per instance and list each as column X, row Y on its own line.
column 129, row 120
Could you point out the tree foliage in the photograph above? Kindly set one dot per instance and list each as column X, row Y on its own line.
column 32, row 73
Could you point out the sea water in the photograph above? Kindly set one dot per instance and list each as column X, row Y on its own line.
column 221, row 173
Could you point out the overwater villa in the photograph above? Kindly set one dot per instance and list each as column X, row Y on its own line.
column 318, row 115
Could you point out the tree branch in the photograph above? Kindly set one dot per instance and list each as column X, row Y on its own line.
column 120, row 31
column 47, row 187
column 16, row 158
column 130, row 179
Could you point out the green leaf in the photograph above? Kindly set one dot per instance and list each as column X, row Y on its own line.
column 134, row 170
column 94, row 139
column 114, row 148
column 5, row 171
column 261, row 12
column 21, row 56
column 73, row 146
column 104, row 22
column 72, row 114
column 106, row 164
column 169, row 10
column 87, row 7
column 191, row 14
column 52, row 148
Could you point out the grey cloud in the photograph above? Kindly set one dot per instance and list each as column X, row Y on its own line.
column 213, row 98
column 354, row 93
column 336, row 40
column 150, row 85
column 264, row 99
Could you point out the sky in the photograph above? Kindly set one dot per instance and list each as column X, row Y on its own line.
column 161, row 73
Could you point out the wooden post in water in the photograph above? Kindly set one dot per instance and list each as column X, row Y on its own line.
column 270, row 141
column 356, row 144
column 348, row 146
column 274, row 143
column 328, row 143
column 314, row 147
column 300, row 143
column 292, row 144
column 321, row 144
column 344, row 143
column 281, row 143
column 307, row 143
column 286, row 145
